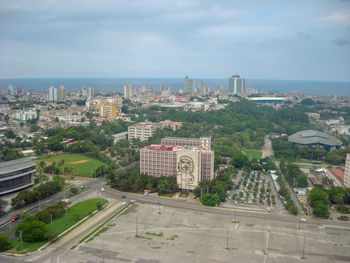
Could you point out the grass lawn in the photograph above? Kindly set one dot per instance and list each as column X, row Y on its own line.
column 81, row 164
column 60, row 224
column 254, row 154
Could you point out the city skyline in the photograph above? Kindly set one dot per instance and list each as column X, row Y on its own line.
column 306, row 40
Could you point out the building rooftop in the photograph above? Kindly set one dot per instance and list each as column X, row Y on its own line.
column 338, row 173
column 314, row 137
column 15, row 165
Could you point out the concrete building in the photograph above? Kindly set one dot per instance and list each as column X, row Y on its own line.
column 336, row 175
column 347, row 171
column 119, row 136
column 91, row 92
column 236, row 84
column 174, row 125
column 24, row 115
column 106, row 109
column 142, row 130
column 190, row 165
column 189, row 85
column 62, row 93
column 16, row 175
column 52, row 93
column 129, row 91
column 203, row 142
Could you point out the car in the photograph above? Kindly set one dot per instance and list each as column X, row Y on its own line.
column 102, row 189
column 82, row 187
column 132, row 201
column 16, row 217
column 122, row 196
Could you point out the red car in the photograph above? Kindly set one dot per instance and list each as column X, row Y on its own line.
column 13, row 219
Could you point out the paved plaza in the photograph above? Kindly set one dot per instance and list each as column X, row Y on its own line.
column 178, row 235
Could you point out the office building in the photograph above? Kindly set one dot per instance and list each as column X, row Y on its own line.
column 106, row 109
column 52, row 93
column 62, row 93
column 91, row 92
column 25, row 115
column 83, row 91
column 347, row 171
column 189, row 85
column 142, row 130
column 11, row 90
column 203, row 142
column 190, row 164
column 16, row 175
column 129, row 91
column 236, row 84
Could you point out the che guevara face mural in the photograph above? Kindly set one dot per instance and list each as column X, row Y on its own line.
column 185, row 167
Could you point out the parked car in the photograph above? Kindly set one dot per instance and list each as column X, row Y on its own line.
column 122, row 196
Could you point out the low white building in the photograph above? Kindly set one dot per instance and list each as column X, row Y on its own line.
column 120, row 136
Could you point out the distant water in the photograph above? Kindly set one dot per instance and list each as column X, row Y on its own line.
column 321, row 88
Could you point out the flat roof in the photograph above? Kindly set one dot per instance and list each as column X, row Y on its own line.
column 15, row 165
column 314, row 137
column 267, row 98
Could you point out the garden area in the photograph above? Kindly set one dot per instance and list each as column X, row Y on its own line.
column 38, row 229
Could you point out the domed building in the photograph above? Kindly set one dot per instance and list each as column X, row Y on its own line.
column 315, row 139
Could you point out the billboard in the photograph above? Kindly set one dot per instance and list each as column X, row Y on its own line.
column 188, row 164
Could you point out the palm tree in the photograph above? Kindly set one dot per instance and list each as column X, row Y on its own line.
column 42, row 165
column 60, row 164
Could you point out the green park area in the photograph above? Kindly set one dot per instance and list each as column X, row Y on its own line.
column 253, row 154
column 73, row 164
column 59, row 224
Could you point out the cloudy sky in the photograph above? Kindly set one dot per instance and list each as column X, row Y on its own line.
column 298, row 40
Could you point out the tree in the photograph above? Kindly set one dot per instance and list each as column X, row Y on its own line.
column 74, row 190
column 3, row 205
column 33, row 231
column 10, row 134
column 42, row 164
column 210, row 199
column 321, row 210
column 197, row 191
column 318, row 195
column 99, row 205
column 5, row 244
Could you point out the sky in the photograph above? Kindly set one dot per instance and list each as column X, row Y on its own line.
column 261, row 39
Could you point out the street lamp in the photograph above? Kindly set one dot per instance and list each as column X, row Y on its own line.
column 235, row 211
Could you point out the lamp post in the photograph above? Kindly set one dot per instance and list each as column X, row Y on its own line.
column 235, row 211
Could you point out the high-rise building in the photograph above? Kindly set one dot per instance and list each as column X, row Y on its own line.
column 12, row 90
column 129, row 91
column 106, row 109
column 236, row 84
column 190, row 164
column 347, row 171
column 90, row 92
column 62, row 93
column 52, row 93
column 83, row 90
column 189, row 85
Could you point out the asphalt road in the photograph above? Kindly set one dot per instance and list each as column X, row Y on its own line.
column 35, row 208
column 52, row 253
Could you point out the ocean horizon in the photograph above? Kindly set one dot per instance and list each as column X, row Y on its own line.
column 320, row 88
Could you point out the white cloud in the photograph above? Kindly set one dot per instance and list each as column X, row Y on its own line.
column 339, row 18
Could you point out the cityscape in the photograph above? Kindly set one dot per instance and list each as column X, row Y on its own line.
column 196, row 162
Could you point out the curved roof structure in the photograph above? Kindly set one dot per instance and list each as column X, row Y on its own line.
column 314, row 137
